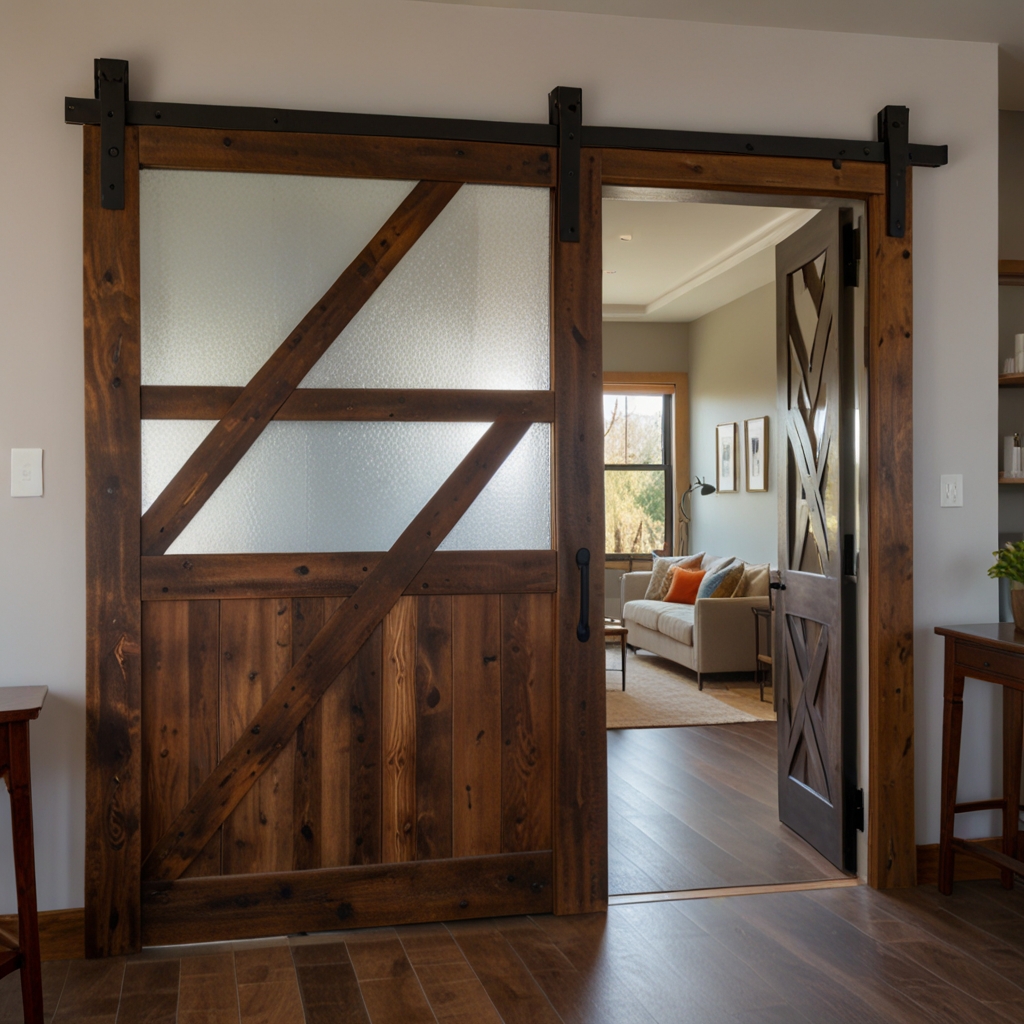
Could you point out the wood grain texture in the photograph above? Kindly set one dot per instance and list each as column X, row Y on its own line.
column 476, row 725
column 255, row 644
column 307, row 794
column 331, row 650
column 526, row 722
column 966, row 869
column 732, row 173
column 61, row 933
column 113, row 780
column 580, row 787
column 433, row 769
column 280, row 375
column 347, row 156
column 167, row 402
column 209, row 909
column 892, row 855
column 398, row 732
column 316, row 574
column 364, row 679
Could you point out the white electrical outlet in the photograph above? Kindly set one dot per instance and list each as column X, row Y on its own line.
column 26, row 472
column 952, row 493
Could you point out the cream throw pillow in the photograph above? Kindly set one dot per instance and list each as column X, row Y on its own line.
column 657, row 588
column 754, row 582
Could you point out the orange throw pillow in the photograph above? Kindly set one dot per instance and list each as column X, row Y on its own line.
column 683, row 585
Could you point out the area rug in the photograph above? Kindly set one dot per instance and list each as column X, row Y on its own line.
column 659, row 694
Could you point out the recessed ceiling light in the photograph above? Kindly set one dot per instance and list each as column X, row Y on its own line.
column 609, row 271
column 626, row 238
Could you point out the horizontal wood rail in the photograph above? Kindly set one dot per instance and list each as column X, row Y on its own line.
column 347, row 156
column 163, row 402
column 780, row 175
column 325, row 899
column 339, row 574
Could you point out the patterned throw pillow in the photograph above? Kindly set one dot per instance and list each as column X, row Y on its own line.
column 721, row 582
column 657, row 588
column 754, row 582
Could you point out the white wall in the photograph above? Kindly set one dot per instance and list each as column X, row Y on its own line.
column 732, row 379
column 392, row 57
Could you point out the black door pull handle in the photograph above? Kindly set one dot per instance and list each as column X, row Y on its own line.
column 583, row 564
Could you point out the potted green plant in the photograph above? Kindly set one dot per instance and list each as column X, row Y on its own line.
column 1010, row 565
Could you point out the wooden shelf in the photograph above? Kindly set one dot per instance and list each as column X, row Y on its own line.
column 1011, row 272
column 1011, row 479
column 1011, row 380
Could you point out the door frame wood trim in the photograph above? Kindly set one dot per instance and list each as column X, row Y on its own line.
column 891, row 857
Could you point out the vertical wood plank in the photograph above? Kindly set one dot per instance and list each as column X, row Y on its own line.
column 433, row 727
column 398, row 728
column 204, row 704
column 336, row 714
column 307, row 621
column 892, row 855
column 112, row 544
column 476, row 725
column 526, row 711
column 255, row 654
column 580, row 841
column 364, row 681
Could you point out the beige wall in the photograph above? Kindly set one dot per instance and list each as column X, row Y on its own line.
column 387, row 56
column 643, row 346
column 732, row 379
column 1011, row 184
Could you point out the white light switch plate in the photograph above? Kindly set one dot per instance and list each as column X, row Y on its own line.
column 26, row 472
column 952, row 495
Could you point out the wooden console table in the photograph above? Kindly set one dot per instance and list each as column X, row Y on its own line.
column 993, row 653
column 18, row 706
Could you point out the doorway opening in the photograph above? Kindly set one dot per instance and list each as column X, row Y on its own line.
column 698, row 390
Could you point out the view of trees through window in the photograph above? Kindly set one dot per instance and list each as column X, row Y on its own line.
column 637, row 473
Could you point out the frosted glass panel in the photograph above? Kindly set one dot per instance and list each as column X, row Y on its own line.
column 351, row 487
column 466, row 308
column 232, row 262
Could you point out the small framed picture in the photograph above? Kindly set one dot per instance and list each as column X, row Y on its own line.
column 756, row 431
column 726, row 462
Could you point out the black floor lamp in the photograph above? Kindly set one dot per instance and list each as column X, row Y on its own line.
column 684, row 511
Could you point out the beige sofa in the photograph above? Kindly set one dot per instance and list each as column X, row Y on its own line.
column 714, row 635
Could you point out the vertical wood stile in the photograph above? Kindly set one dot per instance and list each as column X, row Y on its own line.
column 398, row 727
column 476, row 725
column 255, row 654
column 307, row 825
column 112, row 545
column 526, row 770
column 433, row 727
column 892, row 855
column 365, row 677
column 580, row 786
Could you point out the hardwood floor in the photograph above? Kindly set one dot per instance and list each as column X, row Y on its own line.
column 850, row 956
column 697, row 808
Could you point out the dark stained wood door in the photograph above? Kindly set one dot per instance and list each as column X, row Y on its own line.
column 303, row 742
column 814, row 634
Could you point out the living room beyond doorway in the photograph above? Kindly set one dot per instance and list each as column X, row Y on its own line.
column 692, row 541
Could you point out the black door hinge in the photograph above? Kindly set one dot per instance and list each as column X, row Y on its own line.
column 565, row 109
column 851, row 256
column 894, row 132
column 858, row 810
column 112, row 92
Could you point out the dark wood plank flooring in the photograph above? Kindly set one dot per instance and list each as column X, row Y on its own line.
column 849, row 956
column 697, row 808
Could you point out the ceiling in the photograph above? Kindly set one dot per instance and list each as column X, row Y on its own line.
column 677, row 260
column 991, row 21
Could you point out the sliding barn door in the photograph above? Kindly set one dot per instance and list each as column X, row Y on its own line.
column 356, row 434
column 814, row 631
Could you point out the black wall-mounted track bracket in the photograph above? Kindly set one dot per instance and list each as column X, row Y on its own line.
column 112, row 94
column 894, row 134
column 565, row 109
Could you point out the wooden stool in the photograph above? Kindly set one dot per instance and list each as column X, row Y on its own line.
column 621, row 632
column 18, row 705
column 763, row 662
column 993, row 653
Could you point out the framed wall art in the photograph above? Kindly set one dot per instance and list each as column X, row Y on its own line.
column 726, row 456
column 756, row 434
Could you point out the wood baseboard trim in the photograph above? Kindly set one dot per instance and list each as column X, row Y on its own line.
column 965, row 869
column 735, row 890
column 61, row 933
